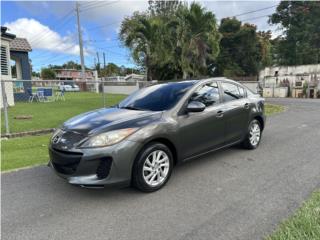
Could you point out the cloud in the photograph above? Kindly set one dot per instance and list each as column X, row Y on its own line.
column 42, row 37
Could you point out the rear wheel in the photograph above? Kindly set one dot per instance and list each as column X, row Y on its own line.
column 152, row 168
column 253, row 136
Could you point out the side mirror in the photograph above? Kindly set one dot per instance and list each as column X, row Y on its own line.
column 195, row 106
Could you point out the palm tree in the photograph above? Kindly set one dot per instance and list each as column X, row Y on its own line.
column 139, row 33
column 198, row 38
column 179, row 44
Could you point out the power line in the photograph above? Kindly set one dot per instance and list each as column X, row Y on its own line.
column 57, row 45
column 102, row 4
column 90, row 3
column 103, row 26
column 63, row 21
column 58, row 58
column 114, row 53
column 47, row 57
column 255, row 18
column 258, row 10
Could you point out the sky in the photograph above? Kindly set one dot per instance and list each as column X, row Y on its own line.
column 51, row 26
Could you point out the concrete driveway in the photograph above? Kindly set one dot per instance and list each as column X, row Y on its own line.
column 231, row 194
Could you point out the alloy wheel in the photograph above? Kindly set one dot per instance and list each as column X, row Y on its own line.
column 254, row 134
column 156, row 168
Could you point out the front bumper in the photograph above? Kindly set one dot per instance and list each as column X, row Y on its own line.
column 110, row 165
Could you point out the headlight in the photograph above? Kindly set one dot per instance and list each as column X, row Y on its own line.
column 56, row 132
column 108, row 138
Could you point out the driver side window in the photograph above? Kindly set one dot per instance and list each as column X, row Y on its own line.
column 208, row 94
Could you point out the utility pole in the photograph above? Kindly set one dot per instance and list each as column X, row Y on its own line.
column 98, row 57
column 80, row 43
column 98, row 65
column 104, row 60
column 5, row 106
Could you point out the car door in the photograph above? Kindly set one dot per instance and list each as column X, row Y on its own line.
column 202, row 131
column 236, row 111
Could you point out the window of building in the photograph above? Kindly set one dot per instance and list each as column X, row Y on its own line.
column 4, row 61
column 208, row 94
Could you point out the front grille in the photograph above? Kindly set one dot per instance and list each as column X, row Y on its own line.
column 104, row 167
column 67, row 152
column 65, row 162
column 66, row 168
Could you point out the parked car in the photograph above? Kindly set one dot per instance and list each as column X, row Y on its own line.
column 141, row 139
column 69, row 88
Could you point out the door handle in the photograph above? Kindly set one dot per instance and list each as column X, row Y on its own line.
column 219, row 114
column 246, row 106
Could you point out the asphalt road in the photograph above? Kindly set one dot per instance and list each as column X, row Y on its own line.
column 230, row 194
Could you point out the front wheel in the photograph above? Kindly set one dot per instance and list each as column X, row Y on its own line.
column 152, row 168
column 253, row 136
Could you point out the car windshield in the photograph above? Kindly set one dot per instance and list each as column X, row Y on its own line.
column 156, row 98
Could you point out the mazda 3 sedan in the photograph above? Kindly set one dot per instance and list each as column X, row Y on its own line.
column 140, row 140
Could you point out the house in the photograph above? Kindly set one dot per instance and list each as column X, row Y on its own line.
column 19, row 53
column 17, row 50
column 73, row 75
column 6, row 87
column 292, row 81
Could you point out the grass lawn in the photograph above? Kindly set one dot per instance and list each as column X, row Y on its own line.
column 304, row 224
column 52, row 114
column 23, row 152
column 272, row 109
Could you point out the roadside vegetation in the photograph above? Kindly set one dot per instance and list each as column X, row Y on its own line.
column 273, row 109
column 304, row 224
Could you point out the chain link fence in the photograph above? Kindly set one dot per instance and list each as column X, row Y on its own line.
column 37, row 106
column 31, row 107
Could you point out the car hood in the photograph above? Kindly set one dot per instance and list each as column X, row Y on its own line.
column 107, row 119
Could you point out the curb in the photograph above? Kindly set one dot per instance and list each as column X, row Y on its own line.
column 22, row 168
column 28, row 133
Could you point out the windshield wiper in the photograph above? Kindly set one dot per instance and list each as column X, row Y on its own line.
column 133, row 108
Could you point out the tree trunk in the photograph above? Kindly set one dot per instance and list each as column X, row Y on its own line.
column 148, row 70
column 184, row 75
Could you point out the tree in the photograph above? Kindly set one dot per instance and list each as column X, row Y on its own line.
column 241, row 49
column 47, row 73
column 35, row 74
column 140, row 33
column 197, row 40
column 110, row 70
column 172, row 40
column 71, row 65
column 300, row 42
column 266, row 48
column 163, row 7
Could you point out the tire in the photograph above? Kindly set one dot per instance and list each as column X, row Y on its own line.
column 250, row 141
column 147, row 167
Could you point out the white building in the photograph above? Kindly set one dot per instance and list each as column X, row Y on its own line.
column 294, row 78
column 128, row 78
column 6, row 38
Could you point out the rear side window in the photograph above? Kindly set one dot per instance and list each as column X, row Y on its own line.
column 232, row 91
column 208, row 94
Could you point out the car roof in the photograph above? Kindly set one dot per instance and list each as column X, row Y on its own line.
column 208, row 79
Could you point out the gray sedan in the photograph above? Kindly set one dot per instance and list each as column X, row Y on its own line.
column 140, row 140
